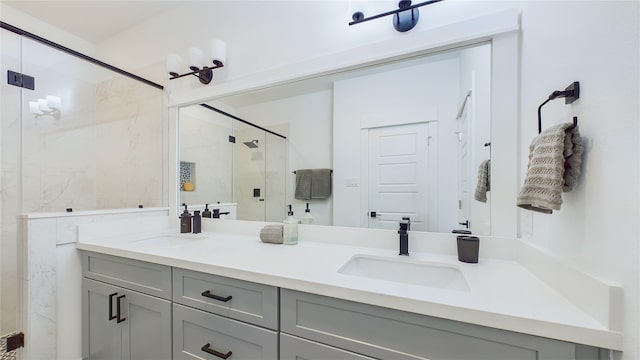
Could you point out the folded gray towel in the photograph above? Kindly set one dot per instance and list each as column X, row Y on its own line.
column 271, row 234
column 321, row 183
column 555, row 157
column 303, row 184
column 484, row 181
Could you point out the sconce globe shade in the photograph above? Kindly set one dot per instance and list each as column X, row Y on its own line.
column 218, row 51
column 42, row 105
column 174, row 64
column 34, row 108
column 196, row 58
column 54, row 102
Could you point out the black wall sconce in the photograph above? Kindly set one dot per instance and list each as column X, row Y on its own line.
column 197, row 63
column 405, row 17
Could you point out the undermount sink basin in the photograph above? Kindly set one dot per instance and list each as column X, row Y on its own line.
column 165, row 240
column 407, row 271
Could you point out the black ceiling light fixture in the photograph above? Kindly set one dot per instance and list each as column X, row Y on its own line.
column 405, row 17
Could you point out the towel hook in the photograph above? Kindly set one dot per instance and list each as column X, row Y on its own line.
column 570, row 94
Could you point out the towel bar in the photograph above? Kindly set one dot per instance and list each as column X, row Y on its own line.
column 570, row 94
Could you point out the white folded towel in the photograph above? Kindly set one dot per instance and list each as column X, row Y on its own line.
column 555, row 157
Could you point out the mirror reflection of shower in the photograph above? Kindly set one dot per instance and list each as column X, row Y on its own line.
column 252, row 144
column 238, row 163
column 257, row 153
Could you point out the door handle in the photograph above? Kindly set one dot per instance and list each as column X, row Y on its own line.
column 111, row 316
column 373, row 214
column 118, row 309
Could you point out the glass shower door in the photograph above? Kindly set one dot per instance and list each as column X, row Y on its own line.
column 10, row 252
column 249, row 172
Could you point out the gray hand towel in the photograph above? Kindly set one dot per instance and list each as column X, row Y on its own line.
column 321, row 183
column 484, row 181
column 555, row 157
column 271, row 234
column 303, row 184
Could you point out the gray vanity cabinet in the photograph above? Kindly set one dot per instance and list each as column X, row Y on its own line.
column 385, row 333
column 118, row 322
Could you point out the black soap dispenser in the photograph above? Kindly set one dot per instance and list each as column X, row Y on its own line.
column 185, row 220
column 206, row 213
column 197, row 222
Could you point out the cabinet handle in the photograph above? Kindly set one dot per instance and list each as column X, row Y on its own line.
column 111, row 316
column 216, row 297
column 118, row 309
column 207, row 348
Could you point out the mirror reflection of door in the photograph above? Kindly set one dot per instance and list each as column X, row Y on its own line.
column 398, row 158
column 464, row 162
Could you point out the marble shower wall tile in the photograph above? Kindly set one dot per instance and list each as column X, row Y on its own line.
column 129, row 145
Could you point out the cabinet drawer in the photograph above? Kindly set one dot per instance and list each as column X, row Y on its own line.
column 242, row 300
column 391, row 334
column 147, row 278
column 197, row 334
column 293, row 348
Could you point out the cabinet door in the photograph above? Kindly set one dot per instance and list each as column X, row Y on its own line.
column 149, row 330
column 125, row 324
column 103, row 336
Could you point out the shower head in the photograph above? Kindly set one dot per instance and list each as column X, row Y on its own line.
column 252, row 144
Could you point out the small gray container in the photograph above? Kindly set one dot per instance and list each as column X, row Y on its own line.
column 468, row 248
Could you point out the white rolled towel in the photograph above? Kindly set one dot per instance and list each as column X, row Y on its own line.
column 271, row 234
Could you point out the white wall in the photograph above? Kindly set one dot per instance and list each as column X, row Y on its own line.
column 597, row 226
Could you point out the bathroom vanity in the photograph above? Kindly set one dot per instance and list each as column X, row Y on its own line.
column 228, row 295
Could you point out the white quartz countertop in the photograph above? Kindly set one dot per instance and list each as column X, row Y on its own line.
column 502, row 293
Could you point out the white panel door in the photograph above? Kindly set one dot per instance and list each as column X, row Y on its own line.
column 398, row 169
column 465, row 194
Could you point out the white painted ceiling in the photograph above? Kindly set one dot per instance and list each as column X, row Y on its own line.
column 91, row 20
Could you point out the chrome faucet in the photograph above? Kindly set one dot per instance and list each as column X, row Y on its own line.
column 405, row 225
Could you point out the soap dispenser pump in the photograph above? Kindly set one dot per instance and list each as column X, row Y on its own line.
column 185, row 220
column 206, row 213
column 307, row 218
column 290, row 229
